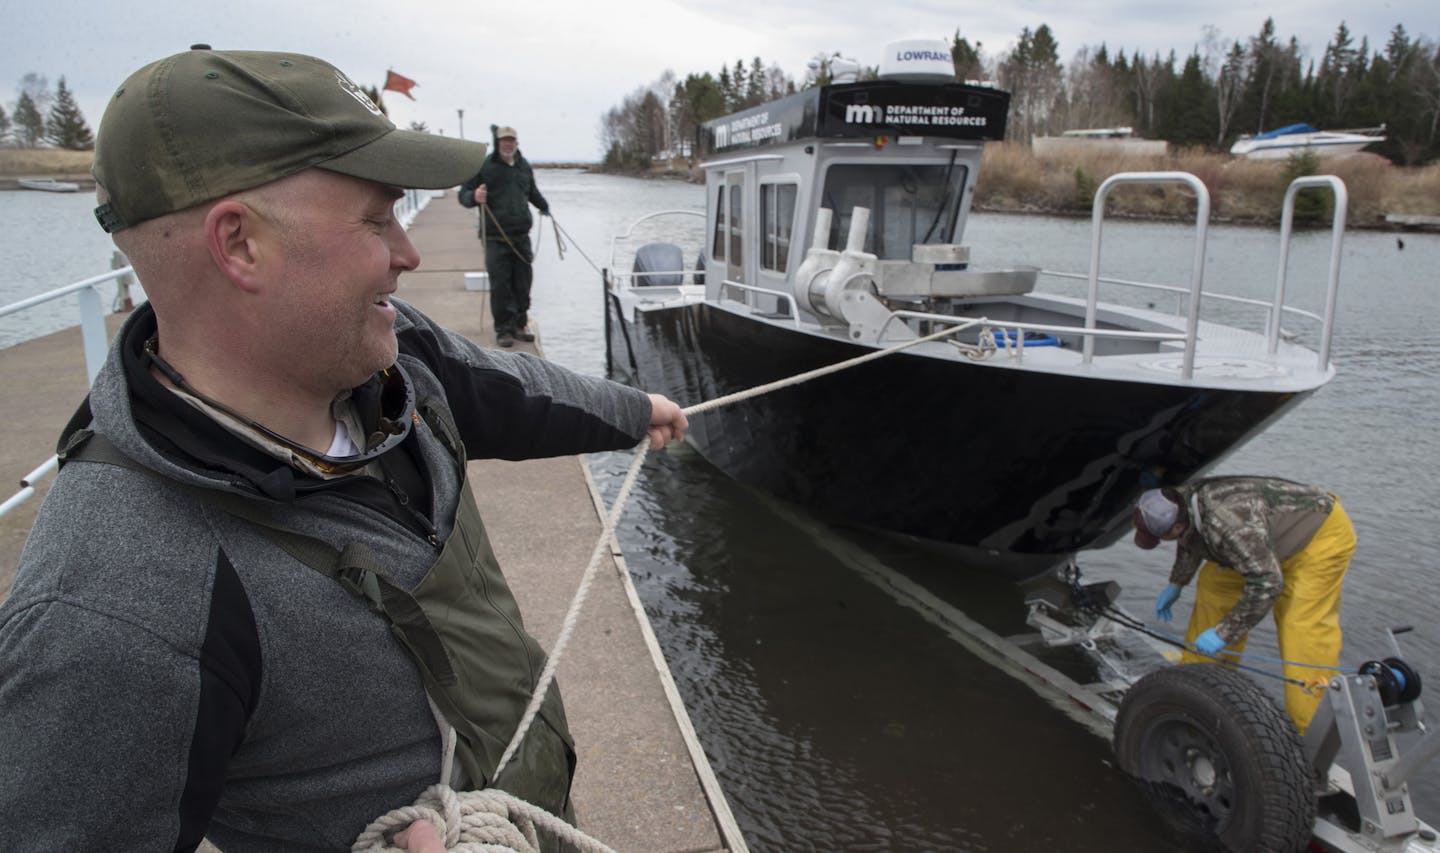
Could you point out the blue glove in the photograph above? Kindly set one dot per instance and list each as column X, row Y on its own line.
column 1209, row 642
column 1168, row 596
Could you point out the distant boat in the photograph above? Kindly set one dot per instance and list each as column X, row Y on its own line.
column 1296, row 138
column 48, row 185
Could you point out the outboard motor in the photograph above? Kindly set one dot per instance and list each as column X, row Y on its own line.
column 658, row 265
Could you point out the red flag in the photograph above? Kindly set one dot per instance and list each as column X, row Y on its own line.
column 398, row 83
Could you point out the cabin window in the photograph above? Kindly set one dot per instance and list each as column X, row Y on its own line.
column 777, row 222
column 908, row 204
column 717, row 250
column 737, row 245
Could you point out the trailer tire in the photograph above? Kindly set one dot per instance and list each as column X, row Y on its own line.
column 1219, row 761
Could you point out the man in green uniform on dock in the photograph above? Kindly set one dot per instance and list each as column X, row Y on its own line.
column 504, row 189
column 259, row 605
column 1257, row 543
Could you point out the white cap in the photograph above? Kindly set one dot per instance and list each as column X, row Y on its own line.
column 1159, row 512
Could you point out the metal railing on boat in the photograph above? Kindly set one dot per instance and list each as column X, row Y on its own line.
column 1197, row 269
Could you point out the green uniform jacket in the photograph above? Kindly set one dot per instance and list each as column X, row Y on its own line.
column 1250, row 525
column 510, row 189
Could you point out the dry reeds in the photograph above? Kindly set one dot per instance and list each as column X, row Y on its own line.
column 1013, row 178
column 43, row 163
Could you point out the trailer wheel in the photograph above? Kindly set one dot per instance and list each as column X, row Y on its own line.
column 1217, row 758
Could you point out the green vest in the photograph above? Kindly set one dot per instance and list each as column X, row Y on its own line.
column 460, row 624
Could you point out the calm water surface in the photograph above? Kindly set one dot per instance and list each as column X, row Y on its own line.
column 836, row 717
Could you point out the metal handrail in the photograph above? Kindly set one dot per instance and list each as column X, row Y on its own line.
column 1275, row 309
column 1019, row 325
column 92, row 313
column 94, row 339
column 750, row 288
column 1337, row 232
column 1170, row 288
column 633, row 225
column 1197, row 264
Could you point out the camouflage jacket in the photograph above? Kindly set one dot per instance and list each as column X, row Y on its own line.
column 1250, row 525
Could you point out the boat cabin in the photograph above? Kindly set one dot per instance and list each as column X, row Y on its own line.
column 790, row 174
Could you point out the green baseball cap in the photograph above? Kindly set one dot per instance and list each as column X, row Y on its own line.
column 205, row 123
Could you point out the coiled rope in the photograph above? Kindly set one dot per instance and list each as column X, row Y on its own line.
column 488, row 821
column 468, row 820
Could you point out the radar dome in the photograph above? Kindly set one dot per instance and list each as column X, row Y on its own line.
column 918, row 61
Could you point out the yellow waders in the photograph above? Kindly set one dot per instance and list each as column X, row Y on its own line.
column 1307, row 613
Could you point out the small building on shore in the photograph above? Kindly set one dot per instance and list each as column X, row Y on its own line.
column 1100, row 140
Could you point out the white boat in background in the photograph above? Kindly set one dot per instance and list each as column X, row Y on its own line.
column 1296, row 138
column 48, row 185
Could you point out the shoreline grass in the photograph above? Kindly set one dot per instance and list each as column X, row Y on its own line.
column 1014, row 180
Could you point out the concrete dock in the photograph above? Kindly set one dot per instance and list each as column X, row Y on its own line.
column 642, row 783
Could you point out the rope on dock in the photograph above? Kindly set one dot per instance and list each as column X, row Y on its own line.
column 486, row 821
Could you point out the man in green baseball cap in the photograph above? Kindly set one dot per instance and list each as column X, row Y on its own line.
column 259, row 604
column 203, row 124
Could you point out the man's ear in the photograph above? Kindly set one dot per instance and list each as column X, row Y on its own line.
column 231, row 235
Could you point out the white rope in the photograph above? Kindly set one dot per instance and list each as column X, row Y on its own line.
column 824, row 371
column 455, row 814
column 488, row 821
column 547, row 675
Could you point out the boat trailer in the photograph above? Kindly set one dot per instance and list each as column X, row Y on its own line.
column 1216, row 755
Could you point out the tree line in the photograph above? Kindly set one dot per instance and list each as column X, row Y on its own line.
column 41, row 118
column 1220, row 91
column 663, row 119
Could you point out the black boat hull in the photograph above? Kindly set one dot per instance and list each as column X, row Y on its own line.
column 1010, row 469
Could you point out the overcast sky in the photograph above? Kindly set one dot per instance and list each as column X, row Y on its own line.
column 552, row 68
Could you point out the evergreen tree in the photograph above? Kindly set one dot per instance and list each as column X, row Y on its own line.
column 1265, row 71
column 697, row 100
column 1033, row 74
column 66, row 127
column 29, row 124
column 740, row 81
column 4, row 128
column 1191, row 119
column 969, row 62
column 1337, row 74
column 757, row 87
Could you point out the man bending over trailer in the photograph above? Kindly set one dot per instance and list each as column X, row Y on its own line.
column 1258, row 543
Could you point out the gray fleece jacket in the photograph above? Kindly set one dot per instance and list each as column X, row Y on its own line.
column 168, row 673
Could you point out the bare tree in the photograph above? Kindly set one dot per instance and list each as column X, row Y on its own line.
column 37, row 87
column 1229, row 75
column 1146, row 79
column 1094, row 92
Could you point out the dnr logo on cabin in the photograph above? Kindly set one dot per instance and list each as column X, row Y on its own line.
column 864, row 114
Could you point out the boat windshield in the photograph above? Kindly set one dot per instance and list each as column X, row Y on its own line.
column 908, row 203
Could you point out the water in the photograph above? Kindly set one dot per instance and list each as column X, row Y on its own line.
column 838, row 718
column 48, row 240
